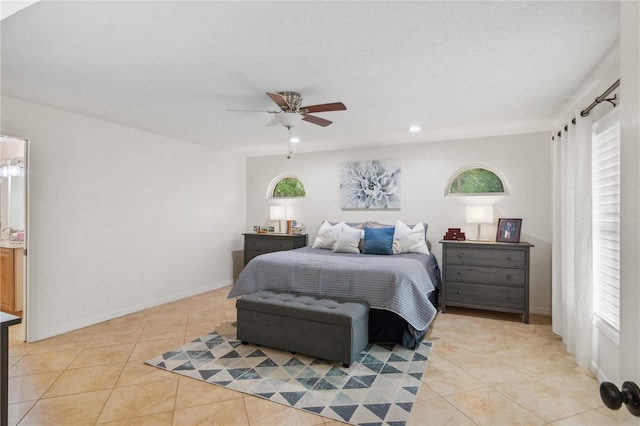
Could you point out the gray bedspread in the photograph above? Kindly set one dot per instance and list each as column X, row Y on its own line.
column 397, row 283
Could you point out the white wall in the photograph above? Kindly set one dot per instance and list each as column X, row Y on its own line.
column 630, row 194
column 524, row 159
column 108, row 203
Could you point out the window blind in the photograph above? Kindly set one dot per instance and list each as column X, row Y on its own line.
column 606, row 218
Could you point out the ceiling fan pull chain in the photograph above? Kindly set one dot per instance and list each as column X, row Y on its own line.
column 289, row 147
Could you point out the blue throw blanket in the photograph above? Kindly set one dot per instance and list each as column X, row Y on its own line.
column 398, row 283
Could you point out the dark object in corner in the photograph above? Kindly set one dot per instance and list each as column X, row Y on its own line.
column 613, row 398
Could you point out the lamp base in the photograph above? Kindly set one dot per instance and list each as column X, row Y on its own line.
column 478, row 233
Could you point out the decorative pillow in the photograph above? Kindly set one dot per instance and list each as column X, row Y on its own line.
column 378, row 240
column 409, row 240
column 348, row 242
column 372, row 224
column 327, row 235
column 357, row 228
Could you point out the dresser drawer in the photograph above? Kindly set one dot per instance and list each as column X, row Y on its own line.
column 485, row 274
column 257, row 244
column 508, row 258
column 267, row 244
column 482, row 295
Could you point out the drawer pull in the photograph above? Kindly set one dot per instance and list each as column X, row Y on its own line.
column 459, row 273
column 459, row 255
column 508, row 257
column 508, row 275
column 459, row 292
column 508, row 297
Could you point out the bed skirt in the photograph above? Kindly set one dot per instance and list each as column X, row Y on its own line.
column 389, row 327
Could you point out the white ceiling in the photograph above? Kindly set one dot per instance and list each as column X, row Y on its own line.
column 458, row 69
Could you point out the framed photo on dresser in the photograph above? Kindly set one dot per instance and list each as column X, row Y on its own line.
column 509, row 230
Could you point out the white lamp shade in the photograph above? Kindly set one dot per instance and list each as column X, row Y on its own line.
column 290, row 213
column 288, row 119
column 479, row 214
column 278, row 212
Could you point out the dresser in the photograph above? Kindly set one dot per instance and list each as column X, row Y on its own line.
column 257, row 244
column 486, row 275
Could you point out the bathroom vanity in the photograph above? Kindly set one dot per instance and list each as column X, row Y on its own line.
column 11, row 277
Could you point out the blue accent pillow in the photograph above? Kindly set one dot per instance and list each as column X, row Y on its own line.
column 378, row 240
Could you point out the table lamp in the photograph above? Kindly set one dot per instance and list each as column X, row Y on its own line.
column 278, row 213
column 479, row 215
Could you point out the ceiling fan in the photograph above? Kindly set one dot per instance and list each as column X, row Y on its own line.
column 291, row 112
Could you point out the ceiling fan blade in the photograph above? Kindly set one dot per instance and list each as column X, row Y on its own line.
column 280, row 100
column 334, row 106
column 316, row 120
column 272, row 122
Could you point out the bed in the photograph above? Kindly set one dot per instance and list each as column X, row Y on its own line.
column 402, row 289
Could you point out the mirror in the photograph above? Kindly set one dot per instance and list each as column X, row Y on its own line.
column 12, row 184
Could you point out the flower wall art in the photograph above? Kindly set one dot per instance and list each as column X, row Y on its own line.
column 370, row 185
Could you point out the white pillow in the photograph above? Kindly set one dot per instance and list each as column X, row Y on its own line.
column 347, row 242
column 327, row 235
column 409, row 240
column 347, row 228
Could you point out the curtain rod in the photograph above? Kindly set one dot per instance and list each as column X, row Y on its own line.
column 598, row 100
column 601, row 98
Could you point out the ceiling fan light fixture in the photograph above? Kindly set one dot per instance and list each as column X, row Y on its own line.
column 288, row 119
column 294, row 139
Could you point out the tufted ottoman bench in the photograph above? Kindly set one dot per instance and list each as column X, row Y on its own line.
column 323, row 327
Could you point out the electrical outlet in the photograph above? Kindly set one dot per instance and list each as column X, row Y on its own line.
column 143, row 277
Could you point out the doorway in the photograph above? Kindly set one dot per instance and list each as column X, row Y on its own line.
column 13, row 225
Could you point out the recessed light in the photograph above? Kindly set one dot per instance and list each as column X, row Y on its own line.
column 294, row 140
column 414, row 129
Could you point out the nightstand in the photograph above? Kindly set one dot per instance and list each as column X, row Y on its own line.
column 486, row 275
column 257, row 244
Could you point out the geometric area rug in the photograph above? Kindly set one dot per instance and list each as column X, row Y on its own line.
column 379, row 388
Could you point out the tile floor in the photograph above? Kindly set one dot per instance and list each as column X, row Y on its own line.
column 486, row 369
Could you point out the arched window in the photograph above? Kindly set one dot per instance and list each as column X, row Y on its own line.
column 287, row 187
column 476, row 180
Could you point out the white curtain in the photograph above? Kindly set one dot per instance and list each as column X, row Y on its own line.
column 572, row 279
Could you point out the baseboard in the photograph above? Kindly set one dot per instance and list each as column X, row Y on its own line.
column 540, row 311
column 597, row 372
column 125, row 311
